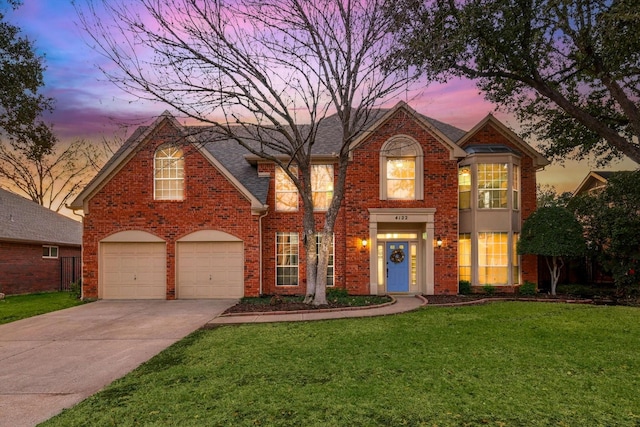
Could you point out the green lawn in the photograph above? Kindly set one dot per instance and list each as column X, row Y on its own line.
column 18, row 307
column 501, row 364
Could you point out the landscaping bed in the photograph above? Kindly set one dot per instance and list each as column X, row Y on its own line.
column 295, row 303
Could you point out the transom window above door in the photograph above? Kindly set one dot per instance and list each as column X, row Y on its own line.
column 401, row 174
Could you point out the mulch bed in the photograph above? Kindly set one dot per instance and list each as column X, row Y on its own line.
column 285, row 305
column 444, row 300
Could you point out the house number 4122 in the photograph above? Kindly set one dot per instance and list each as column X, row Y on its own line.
column 402, row 217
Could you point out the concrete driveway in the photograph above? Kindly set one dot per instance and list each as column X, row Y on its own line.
column 53, row 361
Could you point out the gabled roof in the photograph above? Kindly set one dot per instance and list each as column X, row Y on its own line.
column 593, row 181
column 539, row 161
column 446, row 134
column 25, row 221
column 141, row 135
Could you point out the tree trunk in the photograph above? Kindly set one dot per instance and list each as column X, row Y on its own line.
column 555, row 266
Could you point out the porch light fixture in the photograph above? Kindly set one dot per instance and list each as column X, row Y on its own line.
column 439, row 242
column 364, row 243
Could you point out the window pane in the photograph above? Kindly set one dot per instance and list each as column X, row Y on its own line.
column 492, row 185
column 464, row 256
column 401, row 182
column 493, row 258
column 330, row 265
column 169, row 173
column 515, row 259
column 464, row 187
column 322, row 186
column 286, row 191
column 516, row 187
column 286, row 259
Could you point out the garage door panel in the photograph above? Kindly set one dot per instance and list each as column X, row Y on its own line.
column 210, row 270
column 133, row 271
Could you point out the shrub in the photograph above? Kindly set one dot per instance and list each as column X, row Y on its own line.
column 75, row 290
column 489, row 289
column 336, row 293
column 464, row 287
column 528, row 288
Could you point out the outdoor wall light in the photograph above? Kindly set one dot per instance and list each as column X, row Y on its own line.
column 364, row 243
column 439, row 242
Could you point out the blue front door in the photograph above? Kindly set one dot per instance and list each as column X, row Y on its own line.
column 397, row 266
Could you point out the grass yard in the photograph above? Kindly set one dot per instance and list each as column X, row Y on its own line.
column 500, row 364
column 18, row 307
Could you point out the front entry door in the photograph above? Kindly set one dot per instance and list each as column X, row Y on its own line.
column 397, row 266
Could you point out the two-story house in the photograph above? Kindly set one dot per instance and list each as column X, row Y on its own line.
column 174, row 215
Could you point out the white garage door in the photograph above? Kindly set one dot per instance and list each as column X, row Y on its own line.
column 133, row 271
column 210, row 270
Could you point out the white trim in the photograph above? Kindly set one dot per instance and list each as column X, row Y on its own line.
column 132, row 236
column 209, row 236
column 424, row 219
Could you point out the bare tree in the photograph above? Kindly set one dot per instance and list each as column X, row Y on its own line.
column 51, row 178
column 265, row 67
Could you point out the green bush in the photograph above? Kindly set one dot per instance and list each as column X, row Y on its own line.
column 528, row 288
column 464, row 287
column 75, row 290
column 489, row 289
column 336, row 293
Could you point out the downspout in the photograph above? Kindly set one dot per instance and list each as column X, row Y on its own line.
column 260, row 247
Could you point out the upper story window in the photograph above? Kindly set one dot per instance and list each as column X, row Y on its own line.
column 168, row 173
column 322, row 186
column 464, row 187
column 515, row 181
column 286, row 191
column 401, row 174
column 493, row 181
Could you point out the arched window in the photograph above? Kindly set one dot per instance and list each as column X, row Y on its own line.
column 401, row 174
column 168, row 173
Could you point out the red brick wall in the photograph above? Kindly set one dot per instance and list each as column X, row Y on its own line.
column 292, row 222
column 491, row 135
column 440, row 192
column 23, row 270
column 210, row 202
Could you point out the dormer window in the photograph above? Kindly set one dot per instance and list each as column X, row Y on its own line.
column 168, row 173
column 401, row 175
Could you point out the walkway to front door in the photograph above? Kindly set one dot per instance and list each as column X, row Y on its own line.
column 397, row 259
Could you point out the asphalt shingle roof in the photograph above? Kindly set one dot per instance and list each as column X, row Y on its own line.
column 22, row 220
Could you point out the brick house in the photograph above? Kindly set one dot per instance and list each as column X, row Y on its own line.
column 176, row 215
column 33, row 240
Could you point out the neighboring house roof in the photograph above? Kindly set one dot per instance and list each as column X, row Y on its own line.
column 594, row 181
column 23, row 220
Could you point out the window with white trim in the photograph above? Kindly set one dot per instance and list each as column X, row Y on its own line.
column 515, row 260
column 286, row 259
column 492, row 185
column 321, row 186
column 493, row 259
column 515, row 184
column 168, row 173
column 49, row 251
column 330, row 265
column 464, row 188
column 286, row 190
column 464, row 257
column 401, row 174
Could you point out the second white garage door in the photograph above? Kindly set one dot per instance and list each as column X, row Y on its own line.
column 210, row 270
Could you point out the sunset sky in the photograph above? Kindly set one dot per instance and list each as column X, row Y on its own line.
column 88, row 106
